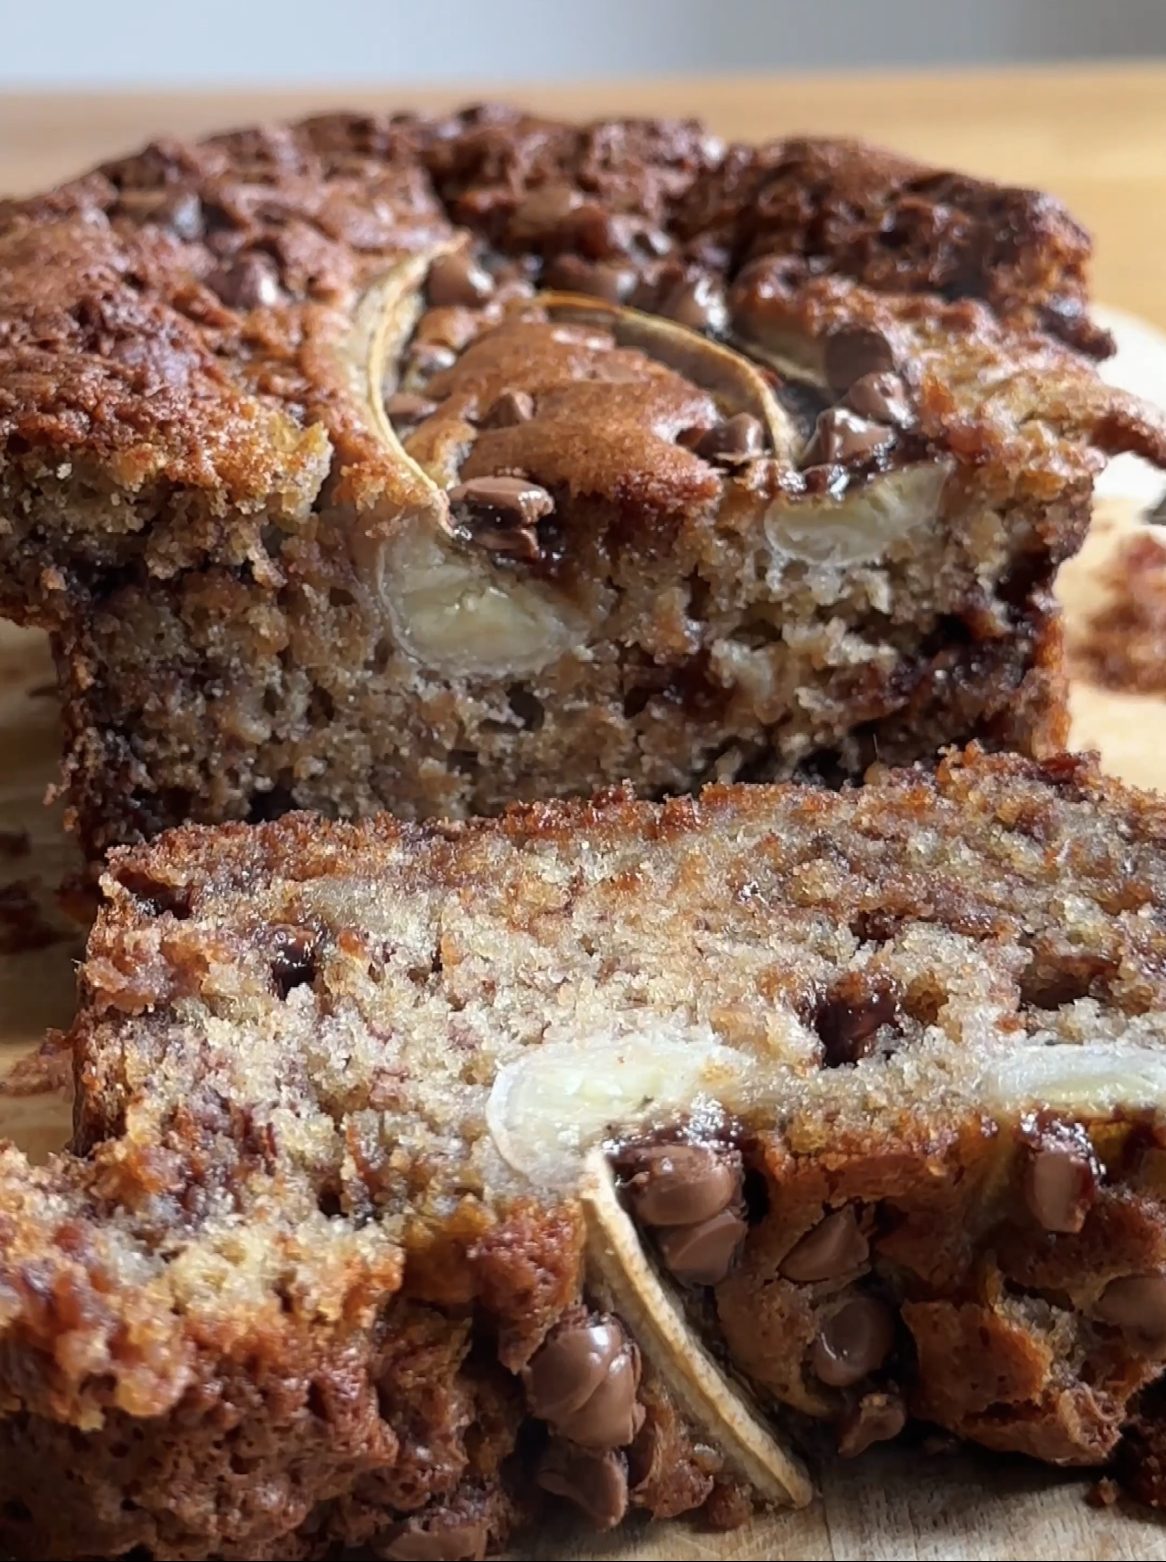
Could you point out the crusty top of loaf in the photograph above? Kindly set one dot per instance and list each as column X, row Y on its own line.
column 173, row 317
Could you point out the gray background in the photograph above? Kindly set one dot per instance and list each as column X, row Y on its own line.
column 228, row 42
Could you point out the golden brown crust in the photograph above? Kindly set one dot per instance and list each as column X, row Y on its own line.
column 116, row 342
column 263, row 594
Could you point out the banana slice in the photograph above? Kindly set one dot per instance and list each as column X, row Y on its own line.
column 863, row 523
column 735, row 384
column 1090, row 1079
column 459, row 614
column 792, row 356
column 382, row 324
column 447, row 608
column 724, row 1411
column 552, row 1104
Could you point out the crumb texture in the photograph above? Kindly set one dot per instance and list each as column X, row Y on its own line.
column 880, row 1076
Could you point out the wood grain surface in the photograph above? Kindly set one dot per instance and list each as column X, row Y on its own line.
column 1097, row 138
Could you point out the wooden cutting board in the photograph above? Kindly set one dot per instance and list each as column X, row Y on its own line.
column 890, row 1505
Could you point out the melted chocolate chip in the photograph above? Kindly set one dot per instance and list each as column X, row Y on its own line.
column 703, row 1253
column 178, row 210
column 511, row 408
column 850, row 1017
column 596, row 278
column 250, row 282
column 1060, row 1181
column 450, row 1543
column 677, row 1184
column 458, row 279
column 595, row 1482
column 405, row 407
column 842, row 438
column 583, row 1383
column 500, row 514
column 853, row 1342
column 852, row 352
column 545, row 209
column 735, row 442
column 294, row 961
column 834, row 1247
column 882, row 397
column 697, row 302
column 1137, row 1304
column 426, row 358
column 875, row 1419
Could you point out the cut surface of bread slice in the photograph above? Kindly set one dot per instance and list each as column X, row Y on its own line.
column 610, row 1153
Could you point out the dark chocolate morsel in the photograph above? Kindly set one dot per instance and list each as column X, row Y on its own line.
column 833, row 1247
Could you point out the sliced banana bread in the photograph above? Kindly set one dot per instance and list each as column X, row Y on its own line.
column 601, row 1150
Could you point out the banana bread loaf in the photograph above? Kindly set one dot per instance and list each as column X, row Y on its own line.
column 433, row 464
column 421, row 1171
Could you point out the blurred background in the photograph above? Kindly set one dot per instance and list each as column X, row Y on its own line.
column 226, row 42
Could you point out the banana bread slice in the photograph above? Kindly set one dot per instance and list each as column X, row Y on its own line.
column 434, row 464
column 598, row 1150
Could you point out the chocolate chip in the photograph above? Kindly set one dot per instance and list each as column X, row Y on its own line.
column 595, row 1482
column 882, row 397
column 853, row 1342
column 1060, row 1182
column 294, row 961
column 697, row 302
column 406, row 407
column 250, row 282
column 458, row 279
column 703, row 1253
column 595, row 278
column 451, row 1543
column 511, row 408
column 544, row 209
column 834, row 1247
column 842, row 438
column 1136, row 1303
column 735, row 442
column 1157, row 515
column 852, row 352
column 850, row 1017
column 679, row 1184
column 583, row 1383
column 500, row 514
column 426, row 358
column 178, row 210
column 875, row 1419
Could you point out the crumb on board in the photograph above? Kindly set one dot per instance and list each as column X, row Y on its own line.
column 1103, row 1493
column 1122, row 646
column 48, row 1069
